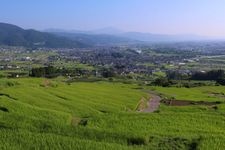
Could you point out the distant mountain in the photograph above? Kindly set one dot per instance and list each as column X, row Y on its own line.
column 105, row 31
column 148, row 37
column 56, row 30
column 96, row 39
column 12, row 35
column 57, row 38
column 113, row 35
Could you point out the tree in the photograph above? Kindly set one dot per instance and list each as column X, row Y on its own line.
column 162, row 81
column 107, row 72
column 49, row 72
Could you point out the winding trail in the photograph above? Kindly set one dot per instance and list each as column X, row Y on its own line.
column 153, row 103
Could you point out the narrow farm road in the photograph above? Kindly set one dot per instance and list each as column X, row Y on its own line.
column 153, row 103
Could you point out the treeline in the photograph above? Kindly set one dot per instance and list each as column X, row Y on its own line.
column 51, row 72
column 171, row 79
column 212, row 75
column 174, row 78
column 48, row 72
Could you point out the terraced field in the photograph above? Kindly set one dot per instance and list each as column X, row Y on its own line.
column 51, row 114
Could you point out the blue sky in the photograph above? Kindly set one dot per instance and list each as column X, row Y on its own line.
column 203, row 17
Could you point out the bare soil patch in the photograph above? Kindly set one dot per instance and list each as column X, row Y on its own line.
column 188, row 103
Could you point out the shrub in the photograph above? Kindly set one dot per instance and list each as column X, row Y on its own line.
column 137, row 141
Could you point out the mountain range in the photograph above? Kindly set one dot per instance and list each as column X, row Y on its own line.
column 13, row 35
column 128, row 36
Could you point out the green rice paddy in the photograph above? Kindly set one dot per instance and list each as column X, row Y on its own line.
column 38, row 113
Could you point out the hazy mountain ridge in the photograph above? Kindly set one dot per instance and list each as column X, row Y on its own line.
column 13, row 35
column 97, row 39
column 135, row 36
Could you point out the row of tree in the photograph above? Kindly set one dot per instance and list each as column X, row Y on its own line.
column 51, row 72
column 209, row 75
column 212, row 75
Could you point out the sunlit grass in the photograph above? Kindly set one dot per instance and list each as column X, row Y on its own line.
column 42, row 114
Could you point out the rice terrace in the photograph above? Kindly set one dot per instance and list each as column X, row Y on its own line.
column 112, row 75
column 104, row 115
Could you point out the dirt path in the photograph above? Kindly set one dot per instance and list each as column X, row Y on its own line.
column 153, row 103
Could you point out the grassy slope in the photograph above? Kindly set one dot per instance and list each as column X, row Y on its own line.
column 205, row 93
column 43, row 114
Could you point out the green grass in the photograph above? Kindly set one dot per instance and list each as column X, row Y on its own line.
column 159, row 74
column 204, row 93
column 50, row 114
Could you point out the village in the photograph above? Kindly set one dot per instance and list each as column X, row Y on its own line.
column 114, row 61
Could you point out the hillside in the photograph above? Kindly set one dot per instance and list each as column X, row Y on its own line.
column 12, row 35
column 102, row 115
